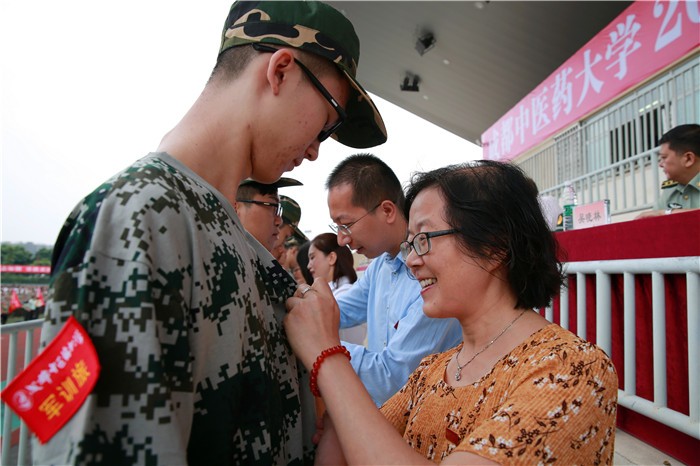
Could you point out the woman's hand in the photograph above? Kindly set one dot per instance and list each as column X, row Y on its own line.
column 312, row 321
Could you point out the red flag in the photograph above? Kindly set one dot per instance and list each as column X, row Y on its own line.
column 14, row 302
column 39, row 298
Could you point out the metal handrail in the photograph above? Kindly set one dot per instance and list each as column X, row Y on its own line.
column 13, row 330
column 656, row 409
column 690, row 266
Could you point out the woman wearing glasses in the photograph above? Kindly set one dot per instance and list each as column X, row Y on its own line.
column 518, row 389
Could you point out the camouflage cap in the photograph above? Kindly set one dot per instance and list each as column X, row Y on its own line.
column 317, row 28
column 291, row 214
column 293, row 241
column 281, row 183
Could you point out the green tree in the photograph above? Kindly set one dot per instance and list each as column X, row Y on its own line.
column 43, row 257
column 15, row 255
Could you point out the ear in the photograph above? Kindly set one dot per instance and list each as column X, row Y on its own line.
column 688, row 159
column 281, row 62
column 332, row 257
column 389, row 210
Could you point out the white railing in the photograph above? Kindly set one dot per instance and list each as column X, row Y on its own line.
column 612, row 154
column 630, row 185
column 657, row 409
column 13, row 330
column 690, row 266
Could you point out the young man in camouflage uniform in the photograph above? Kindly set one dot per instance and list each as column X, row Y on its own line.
column 183, row 307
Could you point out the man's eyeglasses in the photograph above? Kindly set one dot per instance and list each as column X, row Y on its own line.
column 421, row 242
column 325, row 132
column 274, row 205
column 345, row 229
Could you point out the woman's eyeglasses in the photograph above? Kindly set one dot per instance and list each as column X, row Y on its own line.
column 421, row 242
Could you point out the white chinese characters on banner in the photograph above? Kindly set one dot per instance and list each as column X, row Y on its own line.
column 645, row 38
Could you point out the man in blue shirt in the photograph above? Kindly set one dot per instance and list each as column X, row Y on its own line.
column 365, row 200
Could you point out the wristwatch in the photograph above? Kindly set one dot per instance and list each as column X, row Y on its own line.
column 671, row 206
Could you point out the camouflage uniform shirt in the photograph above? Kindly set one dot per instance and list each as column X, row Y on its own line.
column 184, row 308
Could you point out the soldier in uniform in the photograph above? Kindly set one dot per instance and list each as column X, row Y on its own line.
column 291, row 237
column 679, row 157
column 183, row 307
column 260, row 210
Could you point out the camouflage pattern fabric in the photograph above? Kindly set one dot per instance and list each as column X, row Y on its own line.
column 184, row 308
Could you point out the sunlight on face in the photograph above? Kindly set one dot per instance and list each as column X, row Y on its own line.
column 320, row 264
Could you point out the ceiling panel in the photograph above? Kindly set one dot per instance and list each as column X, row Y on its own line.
column 485, row 60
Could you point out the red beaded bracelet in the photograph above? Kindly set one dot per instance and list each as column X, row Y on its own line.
column 313, row 385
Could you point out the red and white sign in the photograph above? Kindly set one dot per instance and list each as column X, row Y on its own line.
column 591, row 215
column 25, row 268
column 645, row 38
column 49, row 391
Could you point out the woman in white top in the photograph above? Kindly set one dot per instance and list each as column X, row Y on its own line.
column 334, row 264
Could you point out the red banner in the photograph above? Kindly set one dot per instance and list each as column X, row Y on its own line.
column 49, row 391
column 25, row 268
column 644, row 39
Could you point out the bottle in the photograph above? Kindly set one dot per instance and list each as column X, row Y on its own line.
column 569, row 203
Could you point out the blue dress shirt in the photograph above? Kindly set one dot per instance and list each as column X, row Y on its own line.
column 399, row 335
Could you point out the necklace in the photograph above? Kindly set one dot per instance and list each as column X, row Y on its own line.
column 458, row 374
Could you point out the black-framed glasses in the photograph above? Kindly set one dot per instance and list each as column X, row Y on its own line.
column 421, row 242
column 345, row 229
column 325, row 132
column 274, row 205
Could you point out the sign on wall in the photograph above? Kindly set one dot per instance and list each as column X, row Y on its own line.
column 645, row 38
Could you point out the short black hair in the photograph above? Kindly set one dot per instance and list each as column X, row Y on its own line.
column 494, row 206
column 683, row 138
column 249, row 190
column 372, row 181
column 231, row 62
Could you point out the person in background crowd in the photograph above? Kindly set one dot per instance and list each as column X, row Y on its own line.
column 291, row 247
column 304, row 275
column 31, row 313
column 551, row 209
column 183, row 306
column 365, row 201
column 517, row 389
column 334, row 263
column 291, row 216
column 24, row 294
column 679, row 157
column 259, row 208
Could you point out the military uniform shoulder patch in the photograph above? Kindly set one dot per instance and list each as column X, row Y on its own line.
column 668, row 184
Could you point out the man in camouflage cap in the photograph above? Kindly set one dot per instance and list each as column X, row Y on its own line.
column 291, row 216
column 259, row 207
column 184, row 307
column 291, row 236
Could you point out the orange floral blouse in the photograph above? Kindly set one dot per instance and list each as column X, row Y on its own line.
column 552, row 399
